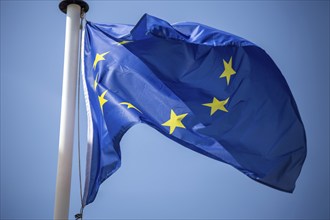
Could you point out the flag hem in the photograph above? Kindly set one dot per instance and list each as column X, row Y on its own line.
column 90, row 133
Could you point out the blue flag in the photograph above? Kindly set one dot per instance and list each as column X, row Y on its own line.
column 213, row 92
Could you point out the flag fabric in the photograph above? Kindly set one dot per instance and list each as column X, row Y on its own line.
column 210, row 91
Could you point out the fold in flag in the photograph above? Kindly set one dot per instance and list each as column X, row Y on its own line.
column 213, row 92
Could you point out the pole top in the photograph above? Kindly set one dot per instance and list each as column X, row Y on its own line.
column 64, row 4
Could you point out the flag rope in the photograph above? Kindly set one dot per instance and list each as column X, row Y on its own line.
column 80, row 214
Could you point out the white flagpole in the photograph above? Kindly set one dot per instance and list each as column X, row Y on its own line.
column 73, row 9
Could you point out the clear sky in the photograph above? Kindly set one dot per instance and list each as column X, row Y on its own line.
column 158, row 178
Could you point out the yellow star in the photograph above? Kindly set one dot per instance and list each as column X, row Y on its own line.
column 175, row 121
column 95, row 81
column 229, row 71
column 98, row 58
column 124, row 42
column 102, row 100
column 217, row 105
column 129, row 105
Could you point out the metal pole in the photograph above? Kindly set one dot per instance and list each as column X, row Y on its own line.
column 63, row 181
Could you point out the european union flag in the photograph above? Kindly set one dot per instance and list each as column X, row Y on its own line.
column 213, row 92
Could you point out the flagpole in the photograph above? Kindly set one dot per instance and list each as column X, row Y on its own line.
column 73, row 9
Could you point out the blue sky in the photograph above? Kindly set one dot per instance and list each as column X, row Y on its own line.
column 158, row 178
